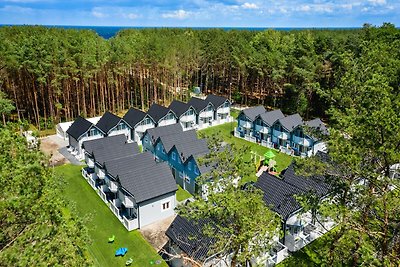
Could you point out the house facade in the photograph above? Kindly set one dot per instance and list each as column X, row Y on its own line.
column 162, row 116
column 138, row 190
column 285, row 133
column 139, row 122
column 222, row 107
column 151, row 135
column 111, row 124
column 185, row 113
column 80, row 131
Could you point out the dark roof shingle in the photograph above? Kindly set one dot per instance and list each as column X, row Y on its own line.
column 271, row 117
column 198, row 104
column 179, row 107
column 111, row 152
column 216, row 100
column 104, row 143
column 79, row 127
column 134, row 116
column 157, row 112
column 188, row 235
column 291, row 122
column 169, row 141
column 107, row 122
column 157, row 132
column 253, row 112
column 318, row 125
column 193, row 148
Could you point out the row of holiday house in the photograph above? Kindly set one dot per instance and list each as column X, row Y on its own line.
column 290, row 134
column 137, row 189
column 299, row 228
column 133, row 183
column 196, row 114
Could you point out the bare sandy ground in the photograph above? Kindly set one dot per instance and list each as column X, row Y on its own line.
column 50, row 145
column 155, row 233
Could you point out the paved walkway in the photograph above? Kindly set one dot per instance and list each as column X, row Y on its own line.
column 63, row 151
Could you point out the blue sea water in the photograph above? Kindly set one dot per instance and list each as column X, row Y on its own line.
column 110, row 31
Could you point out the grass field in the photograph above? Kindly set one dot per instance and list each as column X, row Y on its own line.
column 225, row 131
column 182, row 194
column 103, row 224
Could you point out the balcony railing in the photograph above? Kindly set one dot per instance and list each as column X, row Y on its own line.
column 130, row 224
column 113, row 186
column 187, row 118
column 143, row 128
column 267, row 144
column 225, row 110
column 206, row 114
column 301, row 141
column 246, row 124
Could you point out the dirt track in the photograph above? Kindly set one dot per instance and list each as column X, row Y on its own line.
column 50, row 145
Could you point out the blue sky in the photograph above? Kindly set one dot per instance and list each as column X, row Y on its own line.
column 202, row 13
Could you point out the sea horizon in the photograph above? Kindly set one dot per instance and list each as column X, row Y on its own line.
column 108, row 32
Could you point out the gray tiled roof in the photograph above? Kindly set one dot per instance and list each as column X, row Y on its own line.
column 279, row 195
column 216, row 100
column 169, row 141
column 129, row 163
column 157, row 112
column 291, row 122
column 142, row 177
column 157, row 132
column 317, row 124
column 187, row 149
column 107, row 122
column 79, row 127
column 253, row 112
column 106, row 142
column 111, row 152
column 271, row 117
column 188, row 235
column 179, row 107
column 198, row 104
column 134, row 116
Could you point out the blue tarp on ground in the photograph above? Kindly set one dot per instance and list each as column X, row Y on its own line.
column 121, row 252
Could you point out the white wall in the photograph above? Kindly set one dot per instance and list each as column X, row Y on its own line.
column 150, row 210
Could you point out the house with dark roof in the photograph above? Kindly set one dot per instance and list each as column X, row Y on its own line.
column 165, row 143
column 287, row 133
column 263, row 124
column 280, row 194
column 162, row 116
column 151, row 135
column 80, row 131
column 204, row 112
column 246, row 120
column 283, row 128
column 222, row 108
column 186, row 238
column 138, row 190
column 185, row 113
column 145, row 190
column 111, row 124
column 138, row 122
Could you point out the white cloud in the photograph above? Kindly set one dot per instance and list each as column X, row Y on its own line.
column 249, row 6
column 304, row 8
column 130, row 16
column 22, row 1
column 377, row 2
column 177, row 14
column 17, row 9
column 96, row 12
column 347, row 6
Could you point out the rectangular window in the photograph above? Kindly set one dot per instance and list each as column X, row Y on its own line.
column 226, row 105
column 165, row 206
column 190, row 166
column 187, row 180
column 173, row 156
column 181, row 175
column 158, row 147
column 196, row 170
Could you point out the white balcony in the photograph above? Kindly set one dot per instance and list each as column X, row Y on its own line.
column 245, row 124
column 113, row 186
column 100, row 173
column 262, row 129
column 166, row 122
column 267, row 144
column 207, row 114
column 127, row 201
column 281, row 135
column 302, row 141
column 90, row 162
column 225, row 110
column 122, row 131
column 143, row 128
column 130, row 224
column 188, row 118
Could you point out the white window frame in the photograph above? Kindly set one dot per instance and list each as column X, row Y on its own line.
column 190, row 166
column 187, row 179
column 167, row 203
column 173, row 155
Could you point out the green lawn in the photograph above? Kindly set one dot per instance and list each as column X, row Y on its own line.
column 225, row 130
column 103, row 224
column 182, row 194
